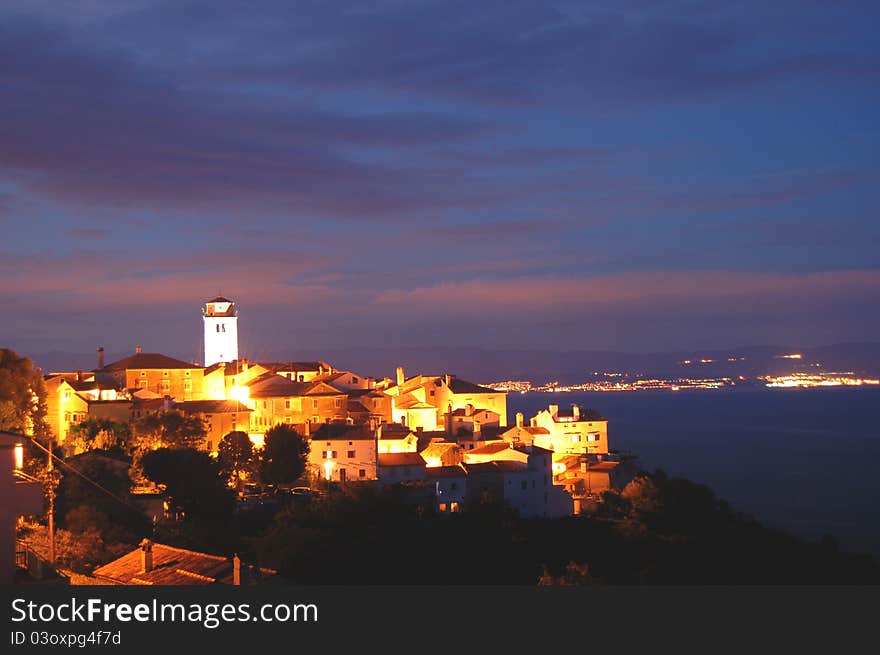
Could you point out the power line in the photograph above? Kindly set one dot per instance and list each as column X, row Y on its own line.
column 67, row 466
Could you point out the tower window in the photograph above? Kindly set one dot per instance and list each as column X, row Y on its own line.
column 217, row 327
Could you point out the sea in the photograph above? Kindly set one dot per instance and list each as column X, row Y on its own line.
column 806, row 461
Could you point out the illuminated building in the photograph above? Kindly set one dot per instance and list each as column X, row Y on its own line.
column 164, row 376
column 221, row 331
column 396, row 438
column 415, row 398
column 344, row 453
column 570, row 432
column 401, row 467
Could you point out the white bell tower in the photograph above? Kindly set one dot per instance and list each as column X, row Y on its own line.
column 221, row 331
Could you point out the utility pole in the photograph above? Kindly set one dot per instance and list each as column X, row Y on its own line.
column 50, row 467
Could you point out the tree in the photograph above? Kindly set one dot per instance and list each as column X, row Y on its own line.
column 169, row 430
column 22, row 396
column 284, row 455
column 80, row 504
column 193, row 481
column 101, row 434
column 235, row 455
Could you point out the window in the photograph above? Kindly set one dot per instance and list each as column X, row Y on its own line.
column 575, row 438
column 351, row 454
column 187, row 373
column 453, row 506
column 143, row 374
column 524, row 485
column 188, row 385
column 287, row 419
column 432, row 392
column 314, row 403
column 166, row 385
column 453, row 486
column 442, row 507
column 286, row 404
column 66, row 395
column 362, row 473
column 354, row 380
column 164, row 374
column 218, row 327
column 338, row 403
column 264, row 404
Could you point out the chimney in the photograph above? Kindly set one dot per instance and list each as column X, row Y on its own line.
column 236, row 571
column 448, row 421
column 468, row 410
column 379, row 431
column 79, row 375
column 244, row 365
column 447, row 379
column 575, row 412
column 519, row 419
column 477, row 430
column 146, row 547
column 554, row 410
column 400, row 376
column 167, row 404
column 138, row 350
column 100, row 352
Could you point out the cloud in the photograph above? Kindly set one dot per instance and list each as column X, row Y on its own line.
column 674, row 291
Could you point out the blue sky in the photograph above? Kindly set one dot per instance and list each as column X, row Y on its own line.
column 615, row 175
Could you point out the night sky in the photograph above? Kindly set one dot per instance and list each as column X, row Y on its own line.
column 632, row 176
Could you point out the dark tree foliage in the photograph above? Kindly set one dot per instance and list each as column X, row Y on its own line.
column 664, row 531
column 81, row 505
column 283, row 456
column 193, row 482
column 235, row 455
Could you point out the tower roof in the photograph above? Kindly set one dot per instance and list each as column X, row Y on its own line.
column 219, row 299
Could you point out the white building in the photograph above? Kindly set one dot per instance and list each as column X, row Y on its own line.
column 221, row 331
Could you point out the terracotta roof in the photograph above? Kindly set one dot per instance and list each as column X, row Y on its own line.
column 148, row 361
column 294, row 366
column 211, row 406
column 489, row 449
column 438, row 448
column 273, row 385
column 462, row 386
column 535, row 430
column 341, row 431
column 173, row 566
column 400, row 459
column 496, row 467
column 463, row 412
column 446, row 472
column 219, row 299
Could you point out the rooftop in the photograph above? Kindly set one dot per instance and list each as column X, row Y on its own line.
column 148, row 361
column 174, row 566
column 400, row 459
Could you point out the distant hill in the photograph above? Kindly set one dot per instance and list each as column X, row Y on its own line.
column 483, row 365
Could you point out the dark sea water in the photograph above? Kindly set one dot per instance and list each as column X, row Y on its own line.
column 803, row 460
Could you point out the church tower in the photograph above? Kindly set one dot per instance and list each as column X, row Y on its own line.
column 221, row 331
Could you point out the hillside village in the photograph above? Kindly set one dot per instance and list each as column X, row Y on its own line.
column 436, row 428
